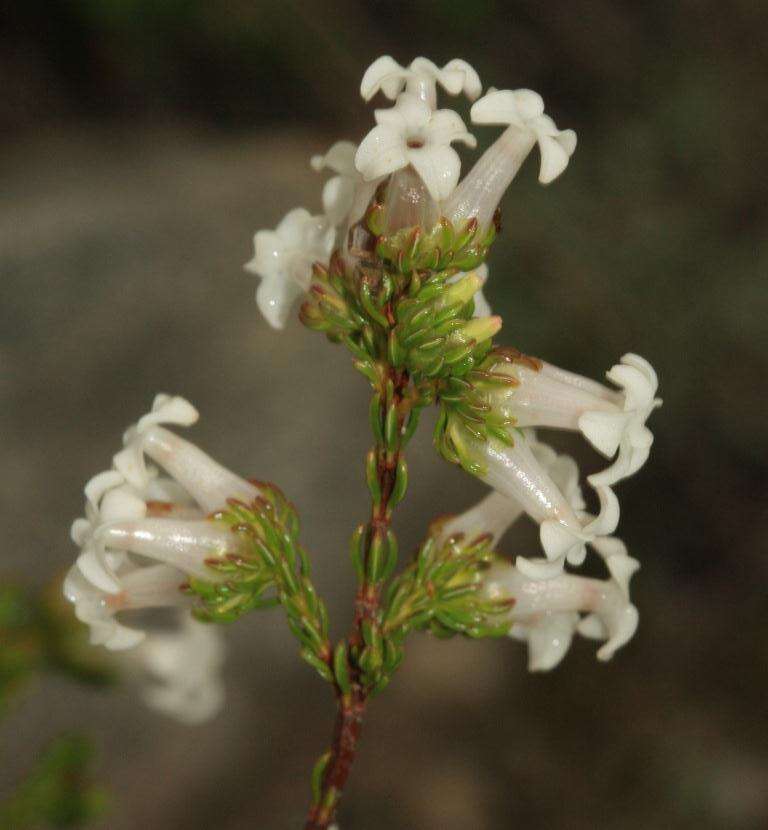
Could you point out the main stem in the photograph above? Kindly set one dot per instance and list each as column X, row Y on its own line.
column 351, row 705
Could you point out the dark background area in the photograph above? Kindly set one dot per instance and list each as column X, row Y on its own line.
column 144, row 141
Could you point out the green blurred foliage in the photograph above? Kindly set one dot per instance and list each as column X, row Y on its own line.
column 57, row 792
column 40, row 634
column 37, row 635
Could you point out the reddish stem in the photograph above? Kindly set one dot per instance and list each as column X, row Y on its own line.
column 345, row 737
column 351, row 707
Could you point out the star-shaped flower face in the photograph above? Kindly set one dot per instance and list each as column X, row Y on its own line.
column 420, row 79
column 283, row 259
column 524, row 110
column 411, row 133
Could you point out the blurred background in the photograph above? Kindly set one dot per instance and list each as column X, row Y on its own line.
column 144, row 141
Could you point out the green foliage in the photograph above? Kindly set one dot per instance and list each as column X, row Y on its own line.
column 271, row 568
column 41, row 634
column 410, row 252
column 57, row 792
column 398, row 304
column 406, row 314
column 467, row 414
column 439, row 592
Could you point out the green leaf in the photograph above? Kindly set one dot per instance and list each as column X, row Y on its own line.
column 58, row 791
column 341, row 668
column 318, row 771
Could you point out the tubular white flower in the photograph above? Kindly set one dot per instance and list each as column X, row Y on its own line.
column 153, row 586
column 523, row 110
column 185, row 545
column 137, row 511
column 518, row 474
column 546, row 613
column 209, row 483
column 497, row 512
column 182, row 671
column 420, row 79
column 283, row 258
column 109, row 498
column 611, row 420
column 165, row 410
column 339, row 190
column 412, row 133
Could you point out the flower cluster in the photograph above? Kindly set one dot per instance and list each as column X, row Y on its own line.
column 548, row 602
column 410, row 149
column 510, row 395
column 144, row 535
column 394, row 269
column 387, row 196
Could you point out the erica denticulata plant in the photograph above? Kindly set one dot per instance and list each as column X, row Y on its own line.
column 393, row 271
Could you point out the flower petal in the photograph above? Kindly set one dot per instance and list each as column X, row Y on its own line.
column 458, row 75
column 275, row 297
column 340, row 158
column 381, row 152
column 446, row 126
column 549, row 640
column 439, row 168
column 384, row 74
column 504, row 106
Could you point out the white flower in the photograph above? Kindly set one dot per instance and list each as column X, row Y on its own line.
column 165, row 410
column 159, row 518
column 497, row 512
column 139, row 587
column 411, row 133
column 625, row 431
column 611, row 420
column 420, row 79
column 546, row 613
column 283, row 259
column 517, row 473
column 181, row 670
column 481, row 190
column 523, row 110
column 339, row 190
